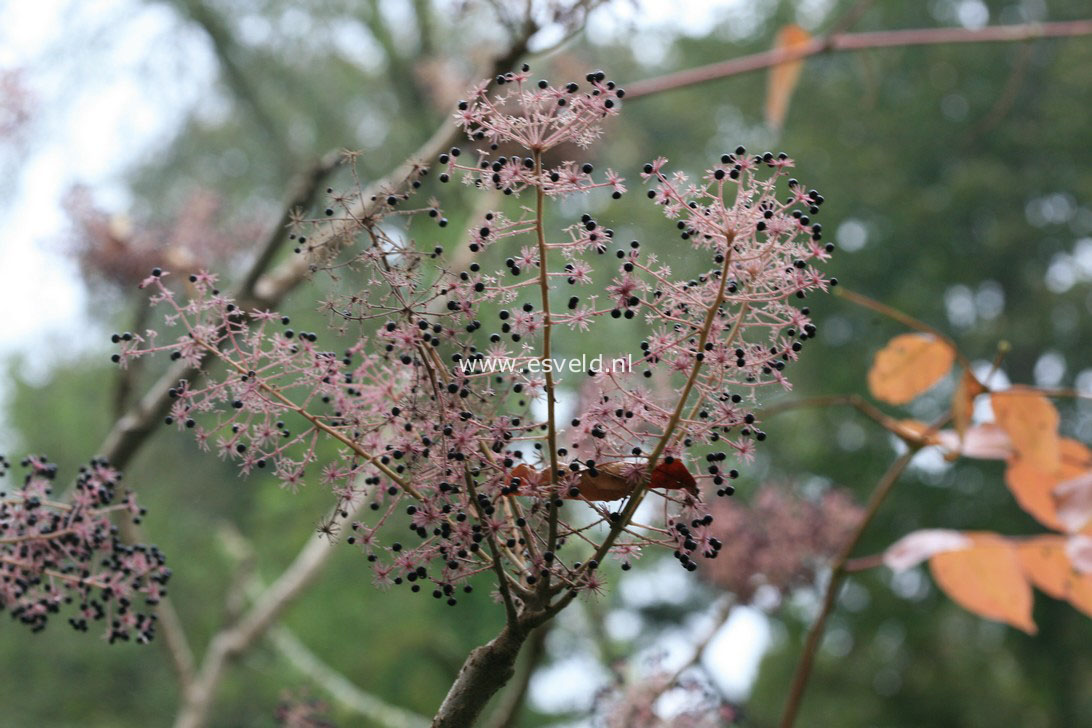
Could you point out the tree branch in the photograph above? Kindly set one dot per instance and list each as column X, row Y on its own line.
column 340, row 688
column 485, row 671
column 235, row 639
column 132, row 429
column 226, row 50
column 845, row 42
column 839, row 571
column 343, row 690
column 512, row 700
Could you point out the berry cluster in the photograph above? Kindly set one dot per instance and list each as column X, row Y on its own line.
column 452, row 452
column 54, row 553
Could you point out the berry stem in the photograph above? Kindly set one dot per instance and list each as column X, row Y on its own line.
column 551, row 423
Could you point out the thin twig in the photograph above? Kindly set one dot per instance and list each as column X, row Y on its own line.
column 903, row 318
column 844, row 42
column 1007, row 98
column 856, row 401
column 231, row 641
column 722, row 611
column 838, row 573
column 511, row 614
column 340, row 688
column 551, row 397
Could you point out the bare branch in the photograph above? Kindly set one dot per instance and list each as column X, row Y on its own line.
column 839, row 571
column 340, row 688
column 226, row 49
column 844, row 42
column 512, row 700
column 234, row 640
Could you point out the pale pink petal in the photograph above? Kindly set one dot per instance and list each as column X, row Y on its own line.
column 1074, row 500
column 916, row 547
column 983, row 442
column 1079, row 550
column 987, row 442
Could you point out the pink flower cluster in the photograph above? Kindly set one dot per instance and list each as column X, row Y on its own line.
column 780, row 540
column 648, row 695
column 55, row 553
column 456, row 457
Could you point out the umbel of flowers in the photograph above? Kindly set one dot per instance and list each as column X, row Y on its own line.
column 442, row 469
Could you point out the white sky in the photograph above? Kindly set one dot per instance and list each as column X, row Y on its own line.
column 85, row 128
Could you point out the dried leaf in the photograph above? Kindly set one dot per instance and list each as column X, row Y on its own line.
column 1073, row 499
column 672, row 476
column 525, row 473
column 919, row 546
column 1032, row 422
column 987, row 579
column 610, row 482
column 619, row 479
column 909, row 365
column 783, row 77
column 1034, row 488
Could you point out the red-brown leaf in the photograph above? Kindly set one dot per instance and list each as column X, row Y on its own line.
column 672, row 476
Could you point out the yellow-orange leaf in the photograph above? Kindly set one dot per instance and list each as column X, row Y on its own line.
column 1045, row 563
column 1033, row 487
column 1032, row 423
column 784, row 76
column 987, row 579
column 907, row 366
column 1049, row 568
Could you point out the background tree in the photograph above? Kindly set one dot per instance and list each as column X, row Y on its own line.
column 959, row 182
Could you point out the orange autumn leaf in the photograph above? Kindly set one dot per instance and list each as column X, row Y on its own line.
column 1033, row 487
column 1080, row 594
column 987, row 579
column 1048, row 566
column 909, row 365
column 1032, row 423
column 1045, row 563
column 783, row 77
column 963, row 401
